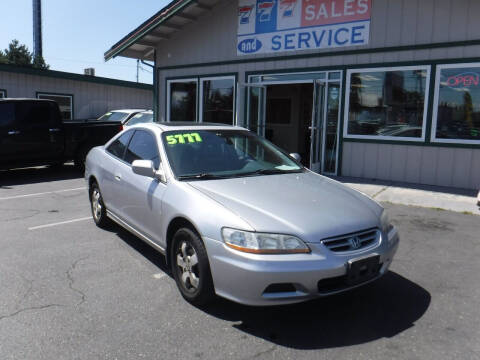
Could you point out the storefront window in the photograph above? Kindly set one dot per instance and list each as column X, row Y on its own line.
column 65, row 103
column 387, row 103
column 456, row 116
column 217, row 100
column 182, row 100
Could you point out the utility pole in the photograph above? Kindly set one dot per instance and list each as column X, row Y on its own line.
column 138, row 65
column 37, row 28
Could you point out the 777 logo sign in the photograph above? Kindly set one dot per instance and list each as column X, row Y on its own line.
column 264, row 10
column 287, row 7
column 244, row 13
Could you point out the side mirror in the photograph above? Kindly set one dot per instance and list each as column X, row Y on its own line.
column 296, row 156
column 144, row 168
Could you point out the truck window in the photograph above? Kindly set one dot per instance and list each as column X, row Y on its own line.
column 117, row 148
column 7, row 114
column 36, row 114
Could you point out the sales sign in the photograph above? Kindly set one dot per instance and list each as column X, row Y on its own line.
column 270, row 26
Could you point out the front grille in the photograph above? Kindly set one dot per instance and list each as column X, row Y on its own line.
column 351, row 242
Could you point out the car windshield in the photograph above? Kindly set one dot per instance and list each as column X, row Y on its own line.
column 211, row 154
column 114, row 116
column 140, row 118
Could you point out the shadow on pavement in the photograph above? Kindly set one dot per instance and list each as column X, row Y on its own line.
column 382, row 309
column 378, row 310
column 36, row 175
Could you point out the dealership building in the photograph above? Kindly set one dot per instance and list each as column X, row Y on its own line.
column 78, row 96
column 377, row 89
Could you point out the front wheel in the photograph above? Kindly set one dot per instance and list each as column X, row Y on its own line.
column 191, row 268
column 99, row 211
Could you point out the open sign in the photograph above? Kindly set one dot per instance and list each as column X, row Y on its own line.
column 464, row 80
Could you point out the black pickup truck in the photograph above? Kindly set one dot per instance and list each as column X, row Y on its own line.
column 32, row 133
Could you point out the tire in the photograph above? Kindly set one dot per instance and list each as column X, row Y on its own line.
column 81, row 157
column 192, row 274
column 99, row 211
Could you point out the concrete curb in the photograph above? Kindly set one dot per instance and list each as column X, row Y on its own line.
column 436, row 197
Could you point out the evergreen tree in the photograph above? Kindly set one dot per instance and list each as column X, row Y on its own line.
column 18, row 54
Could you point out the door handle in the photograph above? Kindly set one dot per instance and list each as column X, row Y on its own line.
column 13, row 132
column 54, row 130
column 118, row 177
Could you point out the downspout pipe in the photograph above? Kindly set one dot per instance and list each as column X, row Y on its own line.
column 155, row 83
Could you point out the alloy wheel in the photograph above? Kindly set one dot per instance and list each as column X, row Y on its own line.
column 187, row 262
column 96, row 204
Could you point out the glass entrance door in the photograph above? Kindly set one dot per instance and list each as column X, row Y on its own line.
column 316, row 126
column 330, row 128
column 251, row 111
column 325, row 111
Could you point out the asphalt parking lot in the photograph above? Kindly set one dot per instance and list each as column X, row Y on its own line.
column 69, row 290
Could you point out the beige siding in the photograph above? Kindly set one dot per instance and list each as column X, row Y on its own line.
column 394, row 23
column 90, row 99
column 443, row 166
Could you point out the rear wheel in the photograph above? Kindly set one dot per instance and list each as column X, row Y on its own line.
column 191, row 268
column 99, row 211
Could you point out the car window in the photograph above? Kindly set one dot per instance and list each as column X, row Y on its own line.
column 35, row 114
column 140, row 118
column 118, row 147
column 143, row 147
column 226, row 153
column 114, row 116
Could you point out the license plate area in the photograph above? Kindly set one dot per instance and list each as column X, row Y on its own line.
column 361, row 270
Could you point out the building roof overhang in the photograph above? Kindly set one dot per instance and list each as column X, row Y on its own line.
column 142, row 41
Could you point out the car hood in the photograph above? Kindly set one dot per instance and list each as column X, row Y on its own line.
column 302, row 204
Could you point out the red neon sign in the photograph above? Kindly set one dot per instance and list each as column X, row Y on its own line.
column 465, row 79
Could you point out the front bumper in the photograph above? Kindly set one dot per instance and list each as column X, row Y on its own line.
column 243, row 277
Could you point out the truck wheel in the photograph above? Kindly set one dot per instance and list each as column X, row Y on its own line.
column 191, row 268
column 80, row 157
column 99, row 211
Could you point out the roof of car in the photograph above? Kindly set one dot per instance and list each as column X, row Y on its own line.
column 183, row 125
column 128, row 110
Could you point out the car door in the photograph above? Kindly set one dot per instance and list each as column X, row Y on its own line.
column 142, row 196
column 32, row 131
column 110, row 181
column 9, row 146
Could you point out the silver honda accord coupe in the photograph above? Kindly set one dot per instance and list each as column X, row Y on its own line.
column 236, row 216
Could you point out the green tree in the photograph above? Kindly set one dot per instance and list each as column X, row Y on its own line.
column 18, row 54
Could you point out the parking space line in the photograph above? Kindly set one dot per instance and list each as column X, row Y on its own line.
column 59, row 223
column 42, row 193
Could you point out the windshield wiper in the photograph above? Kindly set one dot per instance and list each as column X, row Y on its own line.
column 202, row 176
column 271, row 172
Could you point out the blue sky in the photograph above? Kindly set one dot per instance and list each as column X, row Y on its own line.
column 76, row 33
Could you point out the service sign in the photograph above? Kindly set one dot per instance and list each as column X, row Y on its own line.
column 270, row 26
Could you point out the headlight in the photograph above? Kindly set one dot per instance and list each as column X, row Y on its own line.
column 263, row 243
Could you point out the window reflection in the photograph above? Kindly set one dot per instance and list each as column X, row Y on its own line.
column 218, row 101
column 458, row 109
column 183, row 101
column 387, row 103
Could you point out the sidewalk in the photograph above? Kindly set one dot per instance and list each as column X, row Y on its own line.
column 437, row 197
